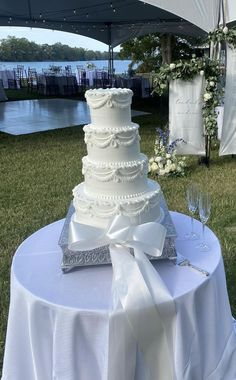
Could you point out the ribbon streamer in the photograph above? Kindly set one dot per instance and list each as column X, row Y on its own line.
column 146, row 301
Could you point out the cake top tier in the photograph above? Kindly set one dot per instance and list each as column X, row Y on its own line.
column 111, row 97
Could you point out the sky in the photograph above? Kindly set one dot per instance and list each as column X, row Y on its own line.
column 41, row 36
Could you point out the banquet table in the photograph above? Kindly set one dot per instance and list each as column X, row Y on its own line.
column 3, row 96
column 62, row 326
column 64, row 84
column 8, row 74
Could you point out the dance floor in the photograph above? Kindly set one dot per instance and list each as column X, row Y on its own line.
column 30, row 116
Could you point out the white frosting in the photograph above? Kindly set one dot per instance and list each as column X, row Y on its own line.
column 98, row 211
column 113, row 143
column 109, row 107
column 115, row 171
column 117, row 178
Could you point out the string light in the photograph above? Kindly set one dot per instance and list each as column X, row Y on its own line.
column 40, row 15
column 74, row 11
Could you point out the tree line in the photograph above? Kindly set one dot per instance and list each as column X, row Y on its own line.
column 20, row 49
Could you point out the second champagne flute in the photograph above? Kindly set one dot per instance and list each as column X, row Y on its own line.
column 192, row 196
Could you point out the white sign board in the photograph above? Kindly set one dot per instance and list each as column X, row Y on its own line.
column 228, row 137
column 185, row 115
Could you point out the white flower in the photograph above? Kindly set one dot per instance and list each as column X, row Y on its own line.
column 193, row 55
column 172, row 66
column 167, row 170
column 173, row 167
column 202, row 73
column 158, row 159
column 154, row 167
column 161, row 172
column 151, row 160
column 225, row 30
column 163, row 85
column 207, row 96
column 168, row 155
column 212, row 84
column 168, row 162
column 179, row 169
column 160, row 165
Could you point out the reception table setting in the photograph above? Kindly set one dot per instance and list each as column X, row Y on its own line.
column 69, row 328
column 122, row 288
column 57, row 84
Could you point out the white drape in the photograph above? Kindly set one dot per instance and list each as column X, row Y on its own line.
column 203, row 13
column 185, row 115
column 228, row 138
column 230, row 10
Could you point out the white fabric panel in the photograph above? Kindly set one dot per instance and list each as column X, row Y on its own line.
column 230, row 10
column 220, row 114
column 185, row 115
column 228, row 138
column 203, row 13
column 61, row 326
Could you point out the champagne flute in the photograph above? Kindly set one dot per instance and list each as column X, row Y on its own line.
column 192, row 196
column 204, row 214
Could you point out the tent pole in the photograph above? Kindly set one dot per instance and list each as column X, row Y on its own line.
column 214, row 54
column 112, row 65
column 109, row 53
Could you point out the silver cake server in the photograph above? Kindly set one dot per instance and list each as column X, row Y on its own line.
column 182, row 261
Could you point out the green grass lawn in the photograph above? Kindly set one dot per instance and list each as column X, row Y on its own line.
column 39, row 171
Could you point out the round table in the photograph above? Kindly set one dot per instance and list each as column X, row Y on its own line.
column 61, row 326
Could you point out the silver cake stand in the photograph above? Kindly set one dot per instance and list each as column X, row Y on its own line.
column 101, row 256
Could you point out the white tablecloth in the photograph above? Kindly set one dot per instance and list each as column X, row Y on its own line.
column 7, row 74
column 3, row 96
column 61, row 326
column 62, row 81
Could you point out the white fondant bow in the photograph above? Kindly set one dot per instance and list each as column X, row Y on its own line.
column 148, row 237
column 137, row 289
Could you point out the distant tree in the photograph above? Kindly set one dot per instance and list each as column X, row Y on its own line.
column 150, row 51
column 143, row 51
column 20, row 49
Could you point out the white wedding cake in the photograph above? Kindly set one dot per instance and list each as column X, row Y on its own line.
column 114, row 170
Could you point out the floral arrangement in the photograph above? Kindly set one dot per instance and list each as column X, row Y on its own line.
column 90, row 65
column 187, row 70
column 223, row 34
column 55, row 69
column 165, row 162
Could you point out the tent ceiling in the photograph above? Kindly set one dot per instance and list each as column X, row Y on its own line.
column 111, row 22
column 203, row 13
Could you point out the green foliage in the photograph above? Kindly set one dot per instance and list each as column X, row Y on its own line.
column 223, row 34
column 143, row 51
column 20, row 49
column 148, row 51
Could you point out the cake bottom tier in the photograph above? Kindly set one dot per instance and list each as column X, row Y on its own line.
column 98, row 211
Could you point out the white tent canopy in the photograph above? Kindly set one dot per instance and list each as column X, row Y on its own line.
column 203, row 13
column 111, row 22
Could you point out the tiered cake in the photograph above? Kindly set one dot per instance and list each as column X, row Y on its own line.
column 115, row 171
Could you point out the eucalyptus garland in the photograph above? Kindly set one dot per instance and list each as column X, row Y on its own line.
column 188, row 70
column 223, row 34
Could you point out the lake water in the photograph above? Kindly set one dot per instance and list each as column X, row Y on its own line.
column 120, row 66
